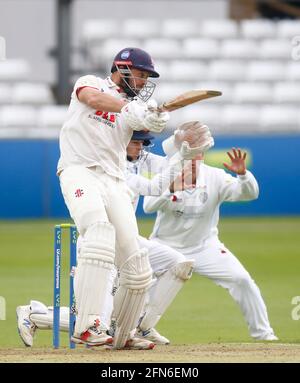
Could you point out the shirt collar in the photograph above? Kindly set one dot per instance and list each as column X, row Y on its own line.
column 111, row 84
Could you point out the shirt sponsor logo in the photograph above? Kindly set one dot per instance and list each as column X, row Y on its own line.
column 106, row 118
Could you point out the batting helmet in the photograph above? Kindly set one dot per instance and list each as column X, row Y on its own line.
column 142, row 135
column 135, row 58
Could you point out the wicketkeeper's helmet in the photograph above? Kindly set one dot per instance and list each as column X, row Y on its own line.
column 142, row 135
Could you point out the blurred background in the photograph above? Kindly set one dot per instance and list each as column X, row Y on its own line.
column 247, row 49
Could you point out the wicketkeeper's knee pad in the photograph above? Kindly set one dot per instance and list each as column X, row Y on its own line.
column 183, row 270
column 44, row 320
column 95, row 262
column 164, row 291
column 135, row 279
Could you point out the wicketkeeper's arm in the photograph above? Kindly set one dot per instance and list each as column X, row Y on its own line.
column 153, row 204
column 153, row 187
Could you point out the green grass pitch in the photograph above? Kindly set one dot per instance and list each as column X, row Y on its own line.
column 269, row 248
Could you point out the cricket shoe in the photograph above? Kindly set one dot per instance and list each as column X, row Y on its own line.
column 94, row 336
column 26, row 327
column 134, row 343
column 268, row 337
column 152, row 335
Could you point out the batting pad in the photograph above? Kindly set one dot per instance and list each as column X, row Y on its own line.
column 93, row 273
column 135, row 279
column 166, row 289
column 45, row 321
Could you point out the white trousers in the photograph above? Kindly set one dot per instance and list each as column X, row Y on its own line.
column 161, row 257
column 217, row 263
column 106, row 199
column 95, row 199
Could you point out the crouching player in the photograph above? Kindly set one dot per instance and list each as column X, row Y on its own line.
column 187, row 220
column 170, row 268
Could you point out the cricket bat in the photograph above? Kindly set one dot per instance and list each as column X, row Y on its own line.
column 187, row 98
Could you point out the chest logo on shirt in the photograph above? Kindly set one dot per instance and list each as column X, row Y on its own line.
column 203, row 196
column 79, row 193
column 106, row 118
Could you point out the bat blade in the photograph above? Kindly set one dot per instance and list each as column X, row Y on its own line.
column 188, row 98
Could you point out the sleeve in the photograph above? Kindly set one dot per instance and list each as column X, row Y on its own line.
column 240, row 188
column 154, row 187
column 153, row 204
column 169, row 146
column 89, row 81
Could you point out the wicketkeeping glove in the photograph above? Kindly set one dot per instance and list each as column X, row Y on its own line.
column 193, row 138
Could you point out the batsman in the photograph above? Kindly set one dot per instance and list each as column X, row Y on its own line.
column 101, row 118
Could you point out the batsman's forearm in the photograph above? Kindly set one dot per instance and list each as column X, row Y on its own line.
column 104, row 102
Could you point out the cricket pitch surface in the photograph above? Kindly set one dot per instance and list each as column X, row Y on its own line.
column 198, row 353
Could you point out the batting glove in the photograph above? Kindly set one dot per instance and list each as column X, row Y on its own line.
column 155, row 121
column 134, row 114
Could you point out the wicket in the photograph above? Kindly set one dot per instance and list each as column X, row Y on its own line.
column 57, row 273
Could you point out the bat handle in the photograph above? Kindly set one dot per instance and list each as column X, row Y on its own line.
column 159, row 109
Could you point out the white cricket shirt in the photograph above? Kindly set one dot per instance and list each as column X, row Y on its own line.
column 190, row 218
column 94, row 138
column 145, row 176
